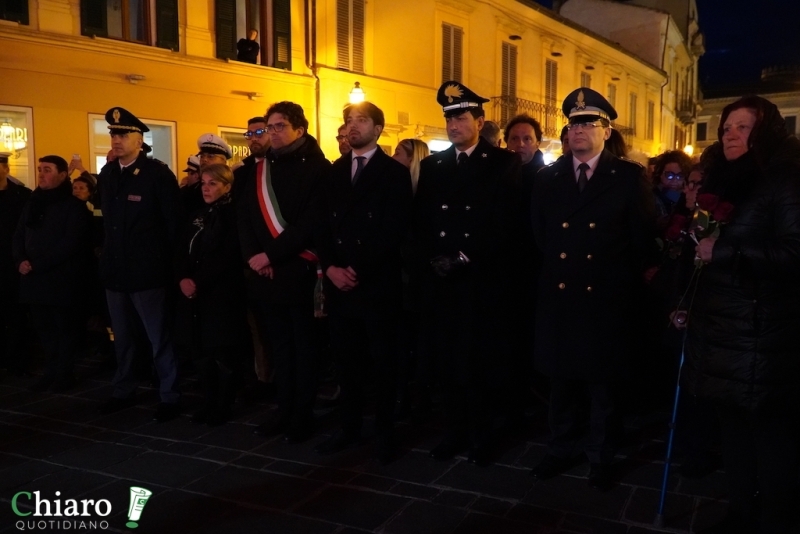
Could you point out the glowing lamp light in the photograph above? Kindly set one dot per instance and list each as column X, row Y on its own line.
column 357, row 94
column 689, row 150
column 12, row 138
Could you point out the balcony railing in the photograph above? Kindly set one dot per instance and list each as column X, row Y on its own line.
column 687, row 110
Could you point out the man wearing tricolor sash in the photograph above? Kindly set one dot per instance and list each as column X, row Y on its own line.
column 279, row 209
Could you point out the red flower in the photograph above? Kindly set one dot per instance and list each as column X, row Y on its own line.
column 676, row 226
column 722, row 213
column 707, row 201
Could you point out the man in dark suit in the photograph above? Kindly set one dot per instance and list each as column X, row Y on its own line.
column 369, row 209
column 592, row 218
column 467, row 225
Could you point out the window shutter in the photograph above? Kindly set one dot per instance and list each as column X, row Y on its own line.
column 225, row 18
column 282, row 33
column 452, row 50
column 14, row 10
column 633, row 112
column 343, row 34
column 612, row 95
column 551, row 83
column 93, row 18
column 586, row 80
column 458, row 40
column 358, row 35
column 167, row 25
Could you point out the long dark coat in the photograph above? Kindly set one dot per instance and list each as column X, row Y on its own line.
column 364, row 229
column 743, row 344
column 208, row 253
column 53, row 234
column 297, row 179
column 595, row 246
column 141, row 212
column 12, row 202
column 477, row 213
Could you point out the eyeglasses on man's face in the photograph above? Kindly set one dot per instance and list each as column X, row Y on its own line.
column 256, row 133
column 277, row 127
column 341, row 138
column 673, row 175
column 585, row 125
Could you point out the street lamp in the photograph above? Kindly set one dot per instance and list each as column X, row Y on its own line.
column 689, row 150
column 357, row 94
column 10, row 139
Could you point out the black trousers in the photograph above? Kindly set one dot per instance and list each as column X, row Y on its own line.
column 14, row 354
column 60, row 329
column 583, row 417
column 291, row 334
column 220, row 372
column 362, row 343
column 761, row 452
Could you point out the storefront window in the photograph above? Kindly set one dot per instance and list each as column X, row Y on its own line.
column 235, row 138
column 161, row 139
column 16, row 138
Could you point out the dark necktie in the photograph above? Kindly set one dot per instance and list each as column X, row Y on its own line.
column 583, row 180
column 359, row 168
column 462, row 160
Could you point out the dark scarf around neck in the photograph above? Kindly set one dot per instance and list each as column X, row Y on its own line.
column 42, row 199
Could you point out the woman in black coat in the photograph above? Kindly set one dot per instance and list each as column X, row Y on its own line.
column 211, row 315
column 51, row 252
column 743, row 348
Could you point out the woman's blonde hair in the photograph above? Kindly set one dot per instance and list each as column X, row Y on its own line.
column 219, row 171
column 416, row 150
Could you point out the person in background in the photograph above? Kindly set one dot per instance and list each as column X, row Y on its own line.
column 744, row 323
column 670, row 172
column 692, row 186
column 51, row 249
column 258, row 144
column 247, row 49
column 491, row 132
column 12, row 314
column 341, row 138
column 211, row 310
column 650, row 169
column 192, row 171
column 616, row 144
column 83, row 189
column 410, row 152
column 522, row 135
column 565, row 141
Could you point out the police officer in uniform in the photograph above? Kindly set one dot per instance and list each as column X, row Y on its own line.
column 467, row 224
column 593, row 221
column 141, row 211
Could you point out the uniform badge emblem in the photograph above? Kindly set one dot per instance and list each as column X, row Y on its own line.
column 580, row 103
column 135, row 171
column 135, row 198
column 452, row 91
column 116, row 116
column 483, row 155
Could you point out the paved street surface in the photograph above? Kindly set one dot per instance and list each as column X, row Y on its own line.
column 226, row 480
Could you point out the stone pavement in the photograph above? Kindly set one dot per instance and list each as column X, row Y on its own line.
column 226, row 480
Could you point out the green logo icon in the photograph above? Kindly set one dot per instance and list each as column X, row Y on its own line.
column 139, row 497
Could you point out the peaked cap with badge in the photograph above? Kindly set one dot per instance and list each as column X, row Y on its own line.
column 456, row 98
column 192, row 164
column 586, row 105
column 214, row 144
column 121, row 121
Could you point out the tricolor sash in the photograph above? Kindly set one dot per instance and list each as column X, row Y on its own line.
column 270, row 209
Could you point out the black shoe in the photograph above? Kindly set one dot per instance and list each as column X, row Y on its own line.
column 551, row 466
column 479, row 455
column 63, row 384
column 219, row 416
column 337, row 443
column 42, row 385
column 115, row 404
column 446, row 450
column 166, row 411
column 272, row 427
column 385, row 449
column 600, row 477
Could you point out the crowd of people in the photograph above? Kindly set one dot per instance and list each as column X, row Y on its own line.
column 477, row 272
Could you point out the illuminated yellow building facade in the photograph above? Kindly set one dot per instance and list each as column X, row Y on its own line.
column 172, row 63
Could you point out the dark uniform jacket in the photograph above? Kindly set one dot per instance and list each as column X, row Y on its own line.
column 241, row 174
column 364, row 229
column 478, row 212
column 12, row 201
column 297, row 178
column 208, row 253
column 192, row 200
column 595, row 246
column 141, row 213
column 53, row 234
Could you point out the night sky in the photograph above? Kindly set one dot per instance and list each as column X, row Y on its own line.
column 744, row 36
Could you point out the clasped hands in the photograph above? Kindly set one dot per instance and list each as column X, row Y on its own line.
column 260, row 263
column 344, row 278
column 25, row 267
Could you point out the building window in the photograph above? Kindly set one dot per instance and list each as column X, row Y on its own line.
column 150, row 22
column 272, row 20
column 452, row 47
column 508, row 82
column 702, row 131
column 586, row 80
column 235, row 139
column 791, row 124
column 551, row 96
column 161, row 139
column 632, row 112
column 16, row 137
column 350, row 29
column 15, row 11
column 612, row 95
column 650, row 122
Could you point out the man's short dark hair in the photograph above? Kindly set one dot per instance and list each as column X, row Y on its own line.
column 256, row 119
column 367, row 108
column 490, row 132
column 293, row 113
column 524, row 119
column 58, row 161
column 342, row 127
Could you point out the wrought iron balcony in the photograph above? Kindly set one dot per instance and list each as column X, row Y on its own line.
column 548, row 116
column 686, row 110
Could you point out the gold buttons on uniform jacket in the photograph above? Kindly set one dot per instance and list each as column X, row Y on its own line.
column 565, row 225
column 466, row 235
column 589, row 289
column 562, row 285
column 467, row 208
column 563, row 255
column 588, row 256
column 442, row 233
column 444, row 207
column 592, row 225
